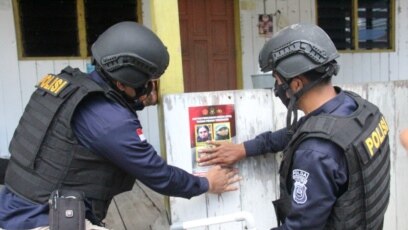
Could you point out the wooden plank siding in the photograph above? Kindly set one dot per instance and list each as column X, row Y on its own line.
column 253, row 109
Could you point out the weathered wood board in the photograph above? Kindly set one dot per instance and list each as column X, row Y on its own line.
column 253, row 115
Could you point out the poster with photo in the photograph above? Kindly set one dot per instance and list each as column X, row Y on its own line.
column 209, row 123
column 265, row 25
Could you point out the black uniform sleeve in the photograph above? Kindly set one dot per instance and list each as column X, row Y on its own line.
column 267, row 142
column 114, row 132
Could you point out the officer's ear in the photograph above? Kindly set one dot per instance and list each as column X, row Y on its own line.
column 120, row 85
column 297, row 83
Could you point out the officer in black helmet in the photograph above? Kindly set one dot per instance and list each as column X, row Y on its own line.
column 80, row 134
column 335, row 172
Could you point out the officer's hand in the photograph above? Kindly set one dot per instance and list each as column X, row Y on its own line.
column 222, row 179
column 222, row 153
column 404, row 138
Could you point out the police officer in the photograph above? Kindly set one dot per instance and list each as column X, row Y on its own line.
column 335, row 172
column 82, row 133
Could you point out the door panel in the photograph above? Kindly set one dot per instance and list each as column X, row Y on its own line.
column 208, row 45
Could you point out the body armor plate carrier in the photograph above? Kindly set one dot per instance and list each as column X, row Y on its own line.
column 363, row 136
column 45, row 154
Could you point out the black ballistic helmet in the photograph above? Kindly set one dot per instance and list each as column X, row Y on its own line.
column 296, row 49
column 130, row 53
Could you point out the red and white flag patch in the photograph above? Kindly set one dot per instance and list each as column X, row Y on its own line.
column 139, row 132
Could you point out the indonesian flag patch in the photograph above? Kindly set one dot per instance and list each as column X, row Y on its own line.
column 139, row 132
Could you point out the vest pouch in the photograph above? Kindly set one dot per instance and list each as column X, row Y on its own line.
column 67, row 210
column 282, row 209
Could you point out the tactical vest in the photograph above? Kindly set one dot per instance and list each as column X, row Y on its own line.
column 363, row 136
column 46, row 155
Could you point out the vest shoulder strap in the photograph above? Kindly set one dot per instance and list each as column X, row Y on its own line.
column 80, row 79
column 341, row 130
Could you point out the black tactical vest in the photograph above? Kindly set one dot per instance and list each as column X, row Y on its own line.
column 363, row 136
column 46, row 155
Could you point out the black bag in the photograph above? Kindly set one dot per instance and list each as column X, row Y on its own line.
column 67, row 210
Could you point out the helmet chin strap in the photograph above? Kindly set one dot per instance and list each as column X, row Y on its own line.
column 140, row 91
column 292, row 109
column 294, row 97
column 105, row 76
column 290, row 103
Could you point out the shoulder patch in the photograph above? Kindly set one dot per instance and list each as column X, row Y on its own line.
column 299, row 191
column 375, row 139
column 52, row 84
column 139, row 132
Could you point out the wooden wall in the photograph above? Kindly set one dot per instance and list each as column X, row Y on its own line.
column 356, row 67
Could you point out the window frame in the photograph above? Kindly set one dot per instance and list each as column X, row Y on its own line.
column 81, row 25
column 355, row 33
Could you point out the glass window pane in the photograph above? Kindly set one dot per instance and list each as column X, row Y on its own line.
column 48, row 28
column 101, row 14
column 335, row 17
column 373, row 24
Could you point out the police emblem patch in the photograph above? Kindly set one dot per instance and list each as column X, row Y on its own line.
column 299, row 191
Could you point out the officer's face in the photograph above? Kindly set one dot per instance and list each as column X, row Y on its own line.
column 131, row 92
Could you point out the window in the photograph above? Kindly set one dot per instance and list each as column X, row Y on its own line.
column 66, row 28
column 358, row 24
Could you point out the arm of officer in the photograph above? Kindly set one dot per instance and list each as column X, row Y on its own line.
column 227, row 153
column 319, row 177
column 118, row 140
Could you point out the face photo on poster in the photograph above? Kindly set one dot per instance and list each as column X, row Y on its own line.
column 209, row 123
column 222, row 131
column 204, row 133
column 265, row 25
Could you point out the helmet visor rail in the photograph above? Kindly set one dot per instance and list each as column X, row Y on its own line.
column 312, row 51
column 117, row 61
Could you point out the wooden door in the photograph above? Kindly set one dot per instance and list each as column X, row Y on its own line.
column 208, row 45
